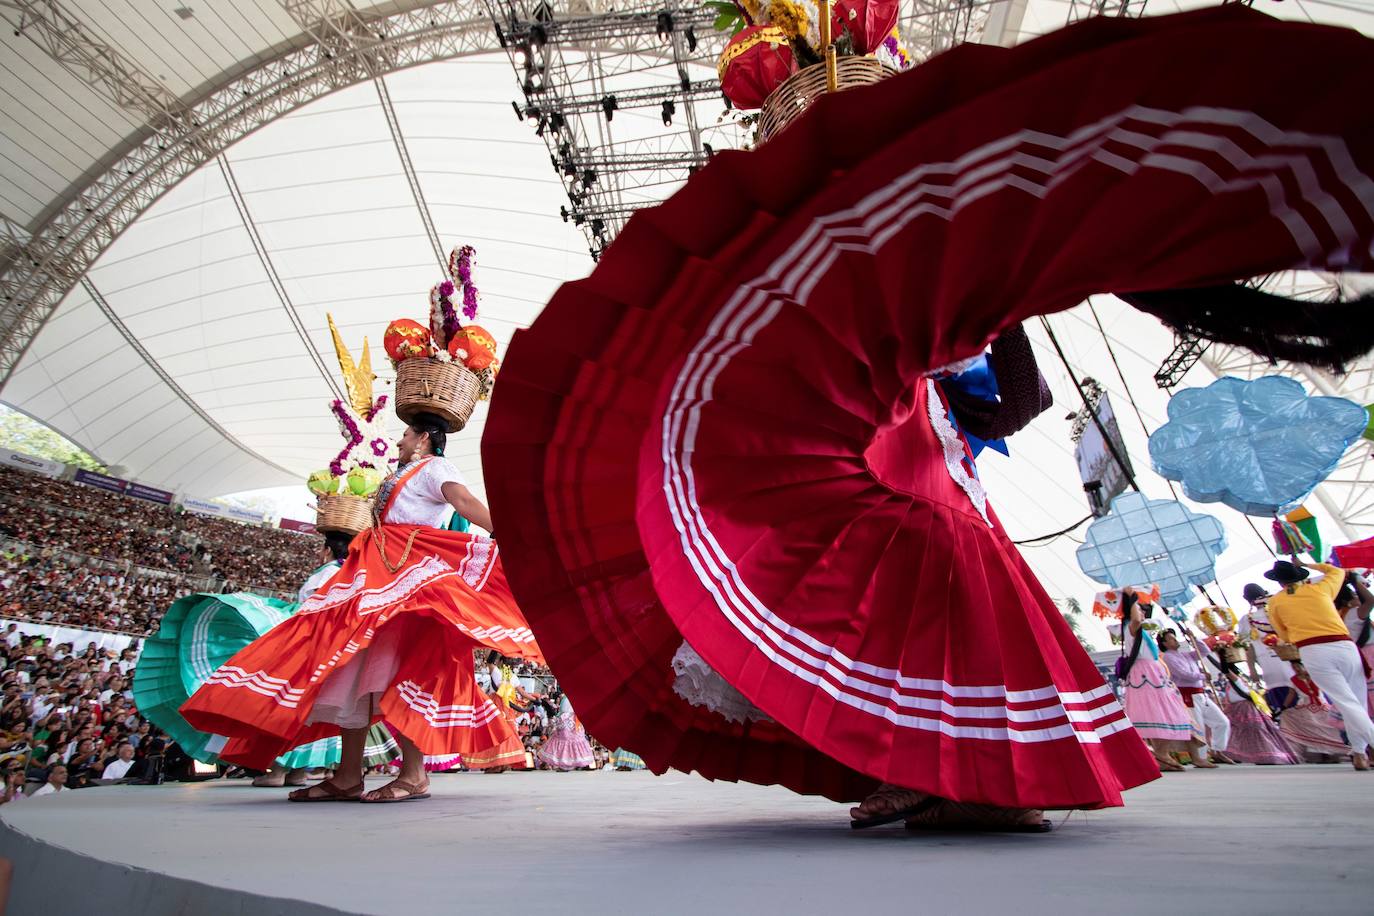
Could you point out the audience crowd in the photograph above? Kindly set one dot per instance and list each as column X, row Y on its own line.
column 67, row 721
column 73, row 555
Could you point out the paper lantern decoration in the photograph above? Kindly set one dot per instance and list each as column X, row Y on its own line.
column 869, row 22
column 323, row 483
column 1107, row 605
column 1258, row 446
column 406, row 339
column 1153, row 540
column 479, row 345
column 753, row 64
column 364, row 481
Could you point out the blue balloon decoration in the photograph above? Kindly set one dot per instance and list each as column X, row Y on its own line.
column 1258, row 446
column 1153, row 540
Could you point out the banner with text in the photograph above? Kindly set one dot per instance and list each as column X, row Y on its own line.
column 291, row 524
column 101, row 481
column 152, row 494
column 202, row 507
column 44, row 466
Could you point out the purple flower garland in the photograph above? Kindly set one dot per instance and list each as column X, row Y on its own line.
column 351, row 433
column 462, row 270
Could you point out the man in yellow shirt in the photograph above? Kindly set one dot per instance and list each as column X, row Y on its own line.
column 1304, row 613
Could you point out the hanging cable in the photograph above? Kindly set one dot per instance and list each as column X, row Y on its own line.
column 1054, row 534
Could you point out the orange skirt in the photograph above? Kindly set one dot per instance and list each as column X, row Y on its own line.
column 448, row 597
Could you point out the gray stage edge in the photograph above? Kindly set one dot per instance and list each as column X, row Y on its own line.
column 51, row 880
column 1245, row 840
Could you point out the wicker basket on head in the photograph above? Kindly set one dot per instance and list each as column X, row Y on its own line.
column 787, row 102
column 447, row 390
column 1288, row 652
column 1233, row 654
column 341, row 512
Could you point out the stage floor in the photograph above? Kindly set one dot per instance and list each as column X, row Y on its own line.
column 1232, row 840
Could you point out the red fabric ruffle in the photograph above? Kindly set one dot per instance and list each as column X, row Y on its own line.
column 722, row 435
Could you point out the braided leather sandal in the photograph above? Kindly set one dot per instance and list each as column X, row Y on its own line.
column 332, row 793
column 951, row 816
column 897, row 803
column 414, row 791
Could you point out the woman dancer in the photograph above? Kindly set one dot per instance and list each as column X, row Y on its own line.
column 1254, row 736
column 1355, row 601
column 567, row 747
column 1153, row 704
column 200, row 632
column 733, row 459
column 390, row 636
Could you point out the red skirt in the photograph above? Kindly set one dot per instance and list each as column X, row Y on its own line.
column 449, row 597
column 724, row 437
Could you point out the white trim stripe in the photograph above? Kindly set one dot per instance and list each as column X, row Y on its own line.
column 437, row 716
column 260, row 682
column 1004, row 164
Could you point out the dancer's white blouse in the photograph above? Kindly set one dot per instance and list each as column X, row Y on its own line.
column 421, row 500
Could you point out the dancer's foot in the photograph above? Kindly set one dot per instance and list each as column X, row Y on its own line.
column 950, row 815
column 398, row 790
column 296, row 777
column 328, row 791
column 889, row 804
column 1223, row 757
column 1360, row 761
column 274, row 778
column 1202, row 763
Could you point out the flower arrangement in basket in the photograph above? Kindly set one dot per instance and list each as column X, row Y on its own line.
column 446, row 368
column 783, row 53
column 1219, row 623
column 345, row 489
column 1286, row 651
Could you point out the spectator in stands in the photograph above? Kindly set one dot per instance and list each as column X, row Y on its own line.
column 56, row 782
column 123, row 761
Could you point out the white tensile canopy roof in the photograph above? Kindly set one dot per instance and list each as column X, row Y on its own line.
column 195, row 354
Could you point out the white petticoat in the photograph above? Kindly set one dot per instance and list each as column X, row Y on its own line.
column 350, row 696
column 699, row 684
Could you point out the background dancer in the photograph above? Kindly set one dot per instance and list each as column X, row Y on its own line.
column 1192, row 682
column 390, row 636
column 1304, row 613
column 202, row 631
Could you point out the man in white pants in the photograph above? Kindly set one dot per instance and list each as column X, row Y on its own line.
column 1304, row 613
column 1191, row 681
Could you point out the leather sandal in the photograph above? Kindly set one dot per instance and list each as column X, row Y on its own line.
column 974, row 818
column 860, row 820
column 414, row 791
column 332, row 793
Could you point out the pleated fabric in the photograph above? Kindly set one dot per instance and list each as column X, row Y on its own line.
column 726, row 436
column 445, row 599
column 199, row 633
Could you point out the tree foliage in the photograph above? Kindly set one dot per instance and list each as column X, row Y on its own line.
column 20, row 432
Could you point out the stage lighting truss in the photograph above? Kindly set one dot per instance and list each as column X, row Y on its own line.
column 627, row 100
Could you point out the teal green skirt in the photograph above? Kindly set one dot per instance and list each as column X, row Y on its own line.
column 199, row 633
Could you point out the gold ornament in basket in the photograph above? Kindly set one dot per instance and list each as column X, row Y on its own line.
column 447, row 390
column 344, row 513
column 1288, row 652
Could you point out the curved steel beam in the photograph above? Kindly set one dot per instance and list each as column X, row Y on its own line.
column 38, row 270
